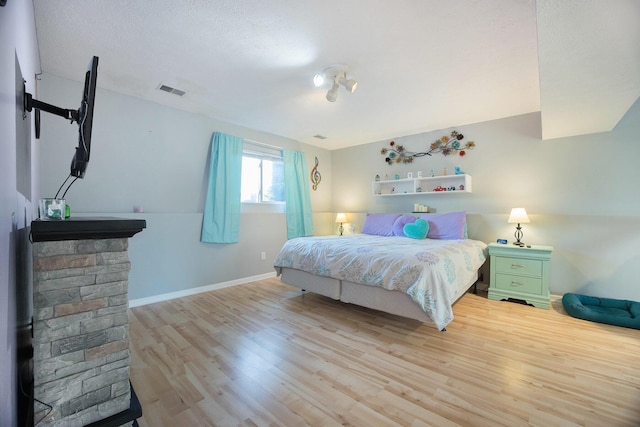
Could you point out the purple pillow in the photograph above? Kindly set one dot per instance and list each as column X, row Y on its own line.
column 446, row 226
column 379, row 224
column 398, row 225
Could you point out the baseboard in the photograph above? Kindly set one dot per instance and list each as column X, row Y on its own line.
column 555, row 298
column 193, row 291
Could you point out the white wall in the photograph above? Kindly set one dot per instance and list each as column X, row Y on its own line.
column 145, row 154
column 580, row 193
column 18, row 40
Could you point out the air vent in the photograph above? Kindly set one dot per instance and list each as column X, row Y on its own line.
column 172, row 90
column 320, row 136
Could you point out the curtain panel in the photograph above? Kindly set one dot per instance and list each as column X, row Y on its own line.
column 297, row 194
column 221, row 219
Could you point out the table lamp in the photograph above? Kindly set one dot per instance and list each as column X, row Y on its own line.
column 341, row 218
column 518, row 216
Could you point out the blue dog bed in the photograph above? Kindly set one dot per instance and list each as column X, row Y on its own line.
column 603, row 310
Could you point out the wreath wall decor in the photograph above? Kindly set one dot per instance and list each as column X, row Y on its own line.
column 447, row 145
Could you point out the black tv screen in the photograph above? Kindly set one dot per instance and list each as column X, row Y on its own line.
column 85, row 121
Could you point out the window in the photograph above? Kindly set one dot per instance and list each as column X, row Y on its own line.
column 262, row 175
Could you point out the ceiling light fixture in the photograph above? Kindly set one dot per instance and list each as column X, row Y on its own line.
column 336, row 75
column 332, row 94
column 349, row 84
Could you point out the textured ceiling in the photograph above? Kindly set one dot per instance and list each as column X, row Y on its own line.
column 421, row 64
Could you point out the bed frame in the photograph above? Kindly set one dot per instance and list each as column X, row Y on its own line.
column 393, row 302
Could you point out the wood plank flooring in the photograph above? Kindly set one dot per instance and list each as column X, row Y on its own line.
column 264, row 354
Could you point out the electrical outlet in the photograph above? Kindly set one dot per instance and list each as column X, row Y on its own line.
column 263, row 255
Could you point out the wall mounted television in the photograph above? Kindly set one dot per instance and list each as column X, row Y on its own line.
column 83, row 116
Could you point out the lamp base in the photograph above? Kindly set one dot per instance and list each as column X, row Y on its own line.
column 518, row 235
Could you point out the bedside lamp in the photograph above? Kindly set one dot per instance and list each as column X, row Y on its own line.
column 518, row 216
column 341, row 218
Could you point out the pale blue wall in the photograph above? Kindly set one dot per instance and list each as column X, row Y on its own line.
column 145, row 154
column 580, row 193
column 17, row 40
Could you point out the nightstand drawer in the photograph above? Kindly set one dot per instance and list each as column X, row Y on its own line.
column 528, row 267
column 527, row 285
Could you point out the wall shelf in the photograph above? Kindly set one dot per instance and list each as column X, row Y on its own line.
column 426, row 185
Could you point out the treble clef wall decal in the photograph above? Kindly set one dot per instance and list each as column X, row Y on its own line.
column 315, row 176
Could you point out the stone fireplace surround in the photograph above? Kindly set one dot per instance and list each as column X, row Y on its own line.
column 80, row 327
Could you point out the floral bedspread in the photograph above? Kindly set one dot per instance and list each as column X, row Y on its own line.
column 427, row 270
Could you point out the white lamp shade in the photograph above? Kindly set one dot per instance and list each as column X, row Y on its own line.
column 518, row 216
column 351, row 85
column 341, row 217
column 332, row 94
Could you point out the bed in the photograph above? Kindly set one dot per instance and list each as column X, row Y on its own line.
column 418, row 278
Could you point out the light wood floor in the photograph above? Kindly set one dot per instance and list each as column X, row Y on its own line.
column 264, row 354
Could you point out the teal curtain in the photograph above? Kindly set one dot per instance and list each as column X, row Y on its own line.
column 297, row 194
column 221, row 220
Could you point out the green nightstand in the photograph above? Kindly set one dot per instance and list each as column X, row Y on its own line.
column 520, row 273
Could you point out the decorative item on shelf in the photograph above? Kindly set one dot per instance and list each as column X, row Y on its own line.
column 419, row 174
column 461, row 187
column 315, row 176
column 447, row 145
column 341, row 219
column 397, row 176
column 386, row 177
column 418, row 189
column 458, row 170
column 377, row 178
column 518, row 216
column 51, row 208
column 444, row 172
column 409, row 175
column 418, row 207
column 432, row 173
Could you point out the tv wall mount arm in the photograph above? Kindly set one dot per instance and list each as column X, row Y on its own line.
column 29, row 103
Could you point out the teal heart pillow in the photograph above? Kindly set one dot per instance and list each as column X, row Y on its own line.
column 416, row 230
